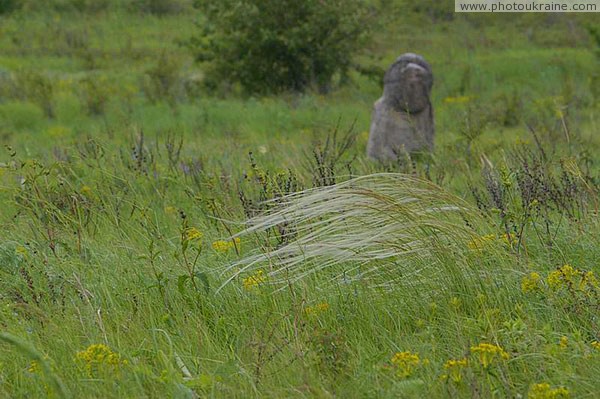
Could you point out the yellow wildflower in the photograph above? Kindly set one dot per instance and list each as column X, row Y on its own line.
column 588, row 279
column 405, row 363
column 562, row 275
column 569, row 277
column 488, row 353
column 100, row 357
column 454, row 369
column 563, row 342
column 478, row 243
column 323, row 307
column 531, row 282
column 224, row 246
column 254, row 281
column 86, row 190
column 544, row 391
column 317, row 309
column 21, row 250
column 192, row 234
column 34, row 367
column 509, row 239
column 596, row 345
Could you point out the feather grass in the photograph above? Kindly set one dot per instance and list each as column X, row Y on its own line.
column 367, row 229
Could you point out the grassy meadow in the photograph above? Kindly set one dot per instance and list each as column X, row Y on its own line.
column 473, row 272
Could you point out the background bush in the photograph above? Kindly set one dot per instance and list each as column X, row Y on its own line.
column 155, row 7
column 7, row 6
column 275, row 45
column 159, row 7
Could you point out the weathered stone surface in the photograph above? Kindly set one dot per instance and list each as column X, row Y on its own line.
column 403, row 117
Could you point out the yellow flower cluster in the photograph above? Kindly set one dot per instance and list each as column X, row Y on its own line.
column 565, row 277
column 488, row 353
column 254, row 281
column 192, row 234
column 87, row 191
column 34, row 367
column 531, row 282
column 596, row 345
column 569, row 277
column 21, row 250
column 544, row 391
column 563, row 342
column 509, row 239
column 99, row 357
column 564, row 274
column 454, row 369
column 479, row 243
column 405, row 363
column 317, row 309
column 224, row 246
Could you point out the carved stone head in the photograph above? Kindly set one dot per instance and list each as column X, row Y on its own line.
column 407, row 84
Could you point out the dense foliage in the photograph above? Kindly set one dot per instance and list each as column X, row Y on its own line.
column 156, row 7
column 280, row 45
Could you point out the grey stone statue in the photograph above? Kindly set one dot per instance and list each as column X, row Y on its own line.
column 403, row 117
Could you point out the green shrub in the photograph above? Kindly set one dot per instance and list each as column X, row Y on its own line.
column 70, row 108
column 89, row 6
column 60, row 6
column 7, row 6
column 20, row 115
column 162, row 82
column 38, row 88
column 159, row 7
column 279, row 45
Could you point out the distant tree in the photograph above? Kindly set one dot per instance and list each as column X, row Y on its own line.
column 7, row 6
column 271, row 46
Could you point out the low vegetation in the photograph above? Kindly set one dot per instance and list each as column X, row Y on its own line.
column 160, row 238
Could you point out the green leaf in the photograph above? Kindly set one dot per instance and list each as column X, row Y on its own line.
column 203, row 277
column 181, row 283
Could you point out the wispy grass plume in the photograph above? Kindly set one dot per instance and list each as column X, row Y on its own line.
column 369, row 228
